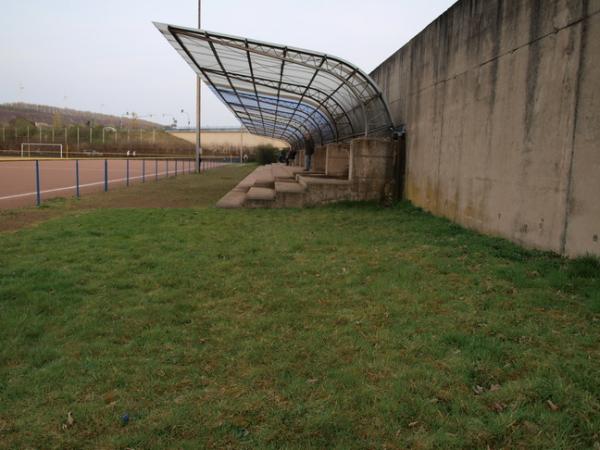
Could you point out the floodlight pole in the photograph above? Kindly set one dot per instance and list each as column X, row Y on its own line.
column 198, row 104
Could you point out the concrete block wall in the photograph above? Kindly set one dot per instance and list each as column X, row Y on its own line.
column 318, row 159
column 371, row 168
column 337, row 160
column 501, row 100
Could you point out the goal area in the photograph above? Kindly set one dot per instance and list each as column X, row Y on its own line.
column 37, row 149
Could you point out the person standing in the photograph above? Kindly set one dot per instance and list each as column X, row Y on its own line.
column 291, row 156
column 309, row 150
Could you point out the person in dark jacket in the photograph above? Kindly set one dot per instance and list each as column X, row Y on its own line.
column 291, row 156
column 309, row 150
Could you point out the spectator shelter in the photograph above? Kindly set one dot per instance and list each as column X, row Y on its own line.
column 285, row 93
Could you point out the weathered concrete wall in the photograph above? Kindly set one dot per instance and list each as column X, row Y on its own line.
column 371, row 168
column 337, row 160
column 319, row 159
column 501, row 103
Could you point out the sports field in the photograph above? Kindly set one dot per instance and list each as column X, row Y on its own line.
column 58, row 176
column 160, row 322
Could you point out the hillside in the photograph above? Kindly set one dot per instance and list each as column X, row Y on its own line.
column 51, row 115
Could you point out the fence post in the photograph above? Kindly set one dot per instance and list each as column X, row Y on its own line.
column 143, row 170
column 106, row 175
column 167, row 164
column 77, row 177
column 38, row 198
column 127, row 170
column 175, row 167
column 156, row 170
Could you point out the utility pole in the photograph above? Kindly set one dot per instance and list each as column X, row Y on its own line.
column 198, row 103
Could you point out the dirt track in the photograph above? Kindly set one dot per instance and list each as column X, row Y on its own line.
column 57, row 177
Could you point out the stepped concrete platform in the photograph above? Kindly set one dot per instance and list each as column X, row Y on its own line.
column 360, row 170
column 280, row 186
column 236, row 197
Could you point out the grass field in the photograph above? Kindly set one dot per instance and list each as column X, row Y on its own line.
column 349, row 326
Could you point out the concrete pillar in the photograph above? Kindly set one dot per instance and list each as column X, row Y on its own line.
column 319, row 158
column 337, row 160
column 372, row 168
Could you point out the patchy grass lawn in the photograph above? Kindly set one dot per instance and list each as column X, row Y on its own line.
column 349, row 326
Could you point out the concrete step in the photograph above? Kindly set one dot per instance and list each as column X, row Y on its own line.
column 282, row 173
column 318, row 179
column 290, row 187
column 321, row 190
column 246, row 183
column 260, row 197
column 289, row 194
column 295, row 169
column 263, row 177
column 233, row 199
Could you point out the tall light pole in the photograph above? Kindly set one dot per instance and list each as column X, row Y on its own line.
column 198, row 104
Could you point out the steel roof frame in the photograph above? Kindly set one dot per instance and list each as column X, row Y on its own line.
column 351, row 107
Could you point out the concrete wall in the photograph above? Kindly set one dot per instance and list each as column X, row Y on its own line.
column 319, row 159
column 371, row 167
column 501, row 99
column 337, row 160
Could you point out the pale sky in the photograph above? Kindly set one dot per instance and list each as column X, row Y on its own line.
column 106, row 56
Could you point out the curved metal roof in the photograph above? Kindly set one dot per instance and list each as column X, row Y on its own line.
column 284, row 92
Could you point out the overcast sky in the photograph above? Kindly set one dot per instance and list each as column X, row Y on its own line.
column 107, row 56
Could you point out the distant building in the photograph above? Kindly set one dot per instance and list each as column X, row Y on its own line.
column 224, row 140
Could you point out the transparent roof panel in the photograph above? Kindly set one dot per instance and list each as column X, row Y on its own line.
column 284, row 92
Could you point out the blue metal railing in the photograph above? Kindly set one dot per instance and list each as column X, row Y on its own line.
column 102, row 177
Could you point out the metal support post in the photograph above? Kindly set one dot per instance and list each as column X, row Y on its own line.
column 105, row 175
column 199, row 104
column 77, row 178
column 38, row 197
